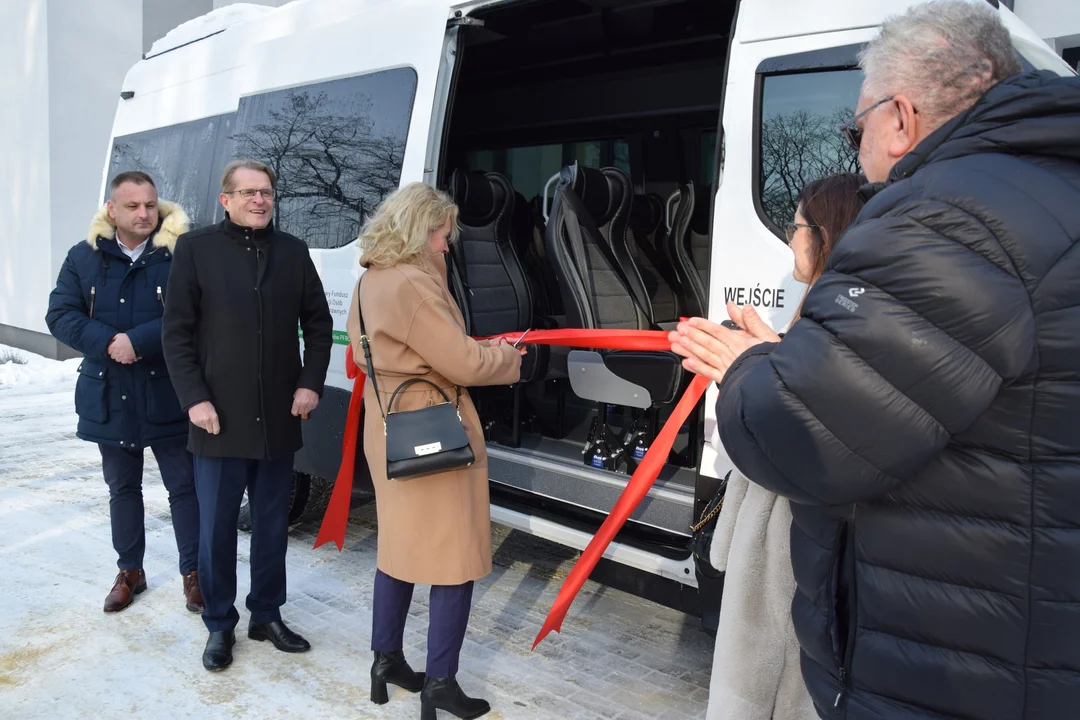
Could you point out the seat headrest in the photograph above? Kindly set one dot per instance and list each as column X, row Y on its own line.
column 474, row 196
column 593, row 189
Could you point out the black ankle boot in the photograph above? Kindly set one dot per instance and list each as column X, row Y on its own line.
column 391, row 668
column 446, row 694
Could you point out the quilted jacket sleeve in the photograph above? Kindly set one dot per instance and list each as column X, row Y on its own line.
column 68, row 316
column 918, row 322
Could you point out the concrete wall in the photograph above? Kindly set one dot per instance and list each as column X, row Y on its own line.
column 26, row 207
column 270, row 3
column 82, row 102
column 161, row 16
column 1056, row 21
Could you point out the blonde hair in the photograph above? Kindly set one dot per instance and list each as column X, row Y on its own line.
column 400, row 228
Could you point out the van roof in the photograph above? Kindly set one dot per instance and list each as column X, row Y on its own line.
column 204, row 26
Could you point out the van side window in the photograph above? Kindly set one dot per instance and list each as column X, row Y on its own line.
column 337, row 148
column 799, row 121
column 528, row 168
column 182, row 159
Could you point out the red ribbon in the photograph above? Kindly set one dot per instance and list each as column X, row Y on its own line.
column 337, row 512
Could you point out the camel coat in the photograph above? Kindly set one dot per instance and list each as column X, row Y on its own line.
column 433, row 529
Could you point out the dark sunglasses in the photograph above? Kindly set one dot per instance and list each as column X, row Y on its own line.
column 791, row 228
column 852, row 132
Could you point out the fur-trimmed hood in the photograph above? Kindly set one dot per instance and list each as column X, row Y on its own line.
column 174, row 223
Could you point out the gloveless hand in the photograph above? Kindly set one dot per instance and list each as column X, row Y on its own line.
column 121, row 350
column 203, row 415
column 710, row 348
column 304, row 401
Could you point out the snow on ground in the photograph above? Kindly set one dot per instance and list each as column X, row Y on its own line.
column 31, row 374
column 61, row 657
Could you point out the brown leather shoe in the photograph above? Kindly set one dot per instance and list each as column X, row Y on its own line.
column 192, row 593
column 127, row 585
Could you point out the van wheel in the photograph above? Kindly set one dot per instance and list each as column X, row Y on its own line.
column 310, row 496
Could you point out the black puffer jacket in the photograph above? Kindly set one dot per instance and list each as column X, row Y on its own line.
column 924, row 418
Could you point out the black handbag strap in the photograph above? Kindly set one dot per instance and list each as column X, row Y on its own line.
column 364, row 343
column 413, row 381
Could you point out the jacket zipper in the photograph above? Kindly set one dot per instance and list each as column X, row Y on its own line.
column 853, row 615
column 93, row 295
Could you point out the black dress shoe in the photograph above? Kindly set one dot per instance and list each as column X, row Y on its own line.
column 391, row 668
column 218, row 652
column 446, row 694
column 283, row 638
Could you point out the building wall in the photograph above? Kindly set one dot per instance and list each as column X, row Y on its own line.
column 26, row 207
column 1056, row 21
column 161, row 16
column 270, row 3
column 82, row 101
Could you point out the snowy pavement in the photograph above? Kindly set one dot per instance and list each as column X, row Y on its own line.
column 61, row 657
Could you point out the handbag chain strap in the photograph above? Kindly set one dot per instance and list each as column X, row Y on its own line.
column 707, row 517
column 366, row 344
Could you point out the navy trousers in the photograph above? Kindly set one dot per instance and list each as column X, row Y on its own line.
column 221, row 483
column 448, row 616
column 123, row 471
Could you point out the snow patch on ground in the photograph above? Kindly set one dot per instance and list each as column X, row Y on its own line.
column 36, row 374
column 209, row 23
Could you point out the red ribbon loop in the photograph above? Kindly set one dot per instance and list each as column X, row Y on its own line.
column 337, row 512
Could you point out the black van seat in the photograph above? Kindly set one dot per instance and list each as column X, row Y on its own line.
column 698, row 235
column 661, row 282
column 596, row 291
column 528, row 241
column 677, row 251
column 488, row 272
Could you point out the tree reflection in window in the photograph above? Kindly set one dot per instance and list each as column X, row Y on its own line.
column 336, row 147
column 181, row 160
column 800, row 135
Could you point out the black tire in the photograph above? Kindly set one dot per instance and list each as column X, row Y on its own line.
column 309, row 498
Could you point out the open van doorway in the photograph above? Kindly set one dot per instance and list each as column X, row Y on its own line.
column 627, row 96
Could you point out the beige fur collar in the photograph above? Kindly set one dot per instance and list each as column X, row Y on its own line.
column 174, row 223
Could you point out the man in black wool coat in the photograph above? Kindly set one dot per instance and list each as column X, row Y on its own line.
column 237, row 292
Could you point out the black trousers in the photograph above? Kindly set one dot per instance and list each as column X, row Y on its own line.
column 221, row 483
column 448, row 611
column 123, row 471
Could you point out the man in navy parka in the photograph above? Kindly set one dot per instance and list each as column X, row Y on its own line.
column 107, row 305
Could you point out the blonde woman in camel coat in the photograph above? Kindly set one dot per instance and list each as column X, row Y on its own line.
column 433, row 529
column 756, row 673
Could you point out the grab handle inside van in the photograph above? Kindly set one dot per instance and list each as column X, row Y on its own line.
column 546, row 207
column 667, row 208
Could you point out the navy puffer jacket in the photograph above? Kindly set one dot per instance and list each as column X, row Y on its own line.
column 923, row 416
column 100, row 293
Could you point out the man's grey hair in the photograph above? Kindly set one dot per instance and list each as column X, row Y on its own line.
column 942, row 55
column 247, row 164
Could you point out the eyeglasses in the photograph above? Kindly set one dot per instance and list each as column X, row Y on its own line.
column 852, row 132
column 248, row 193
column 791, row 228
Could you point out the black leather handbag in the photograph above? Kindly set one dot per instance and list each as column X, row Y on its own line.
column 424, row 441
